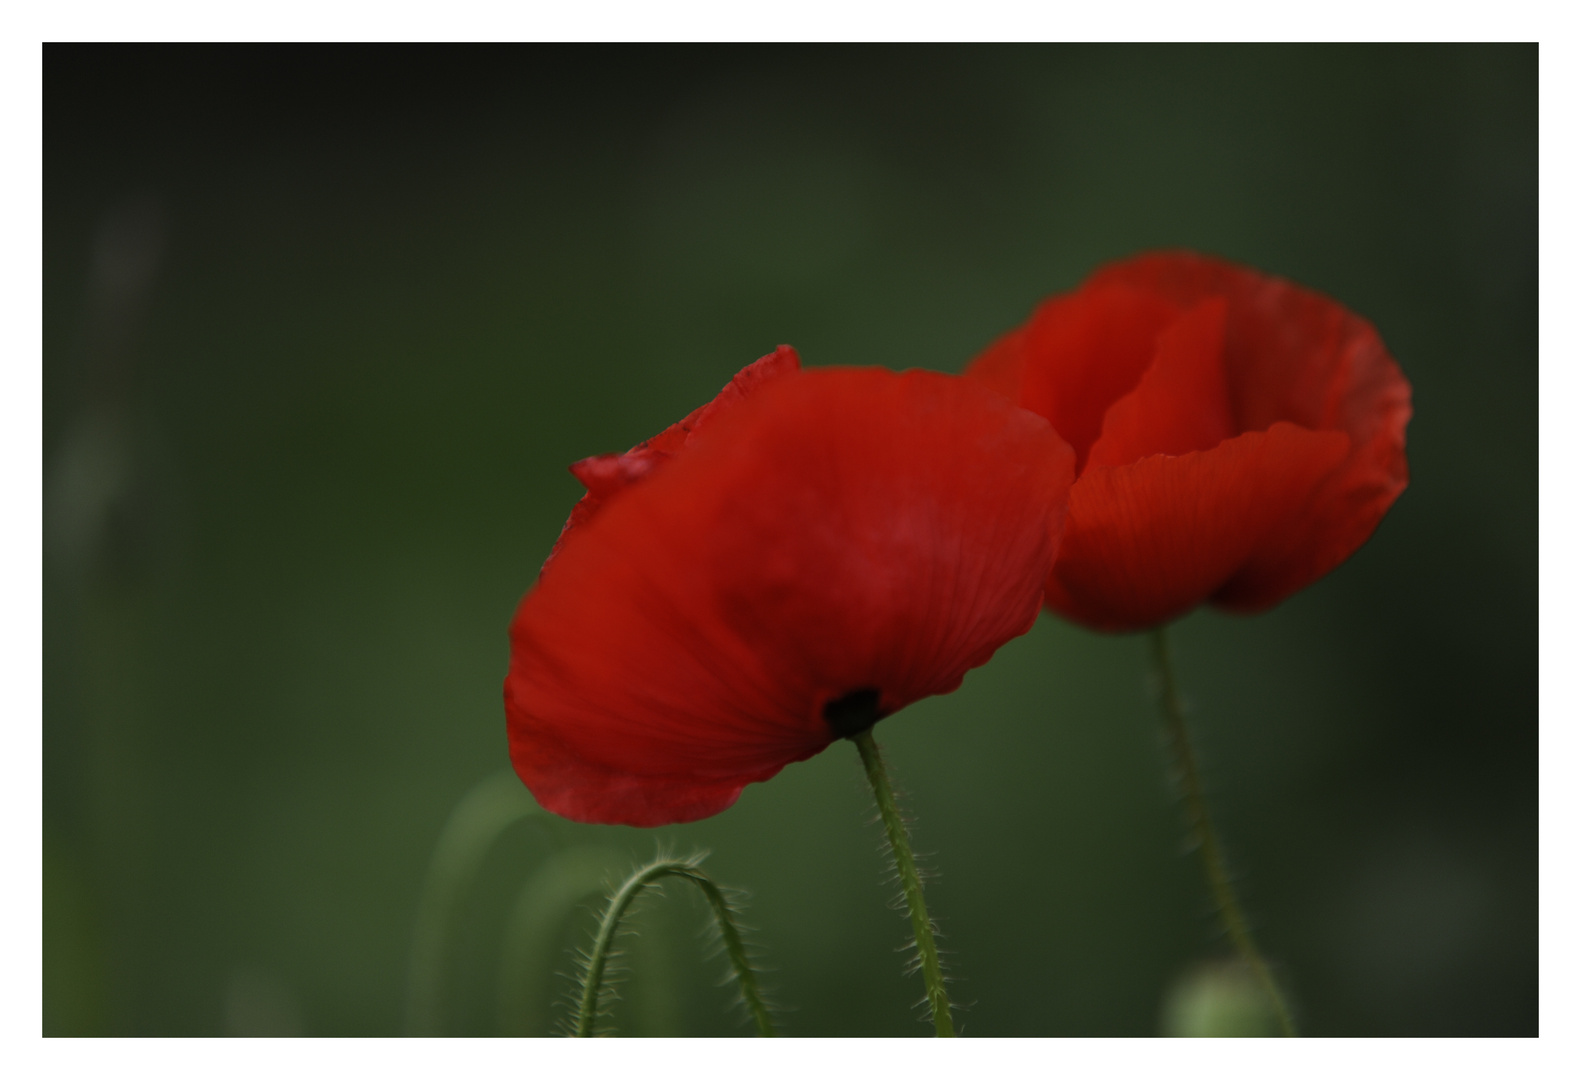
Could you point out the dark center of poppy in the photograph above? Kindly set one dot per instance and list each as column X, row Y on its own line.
column 854, row 713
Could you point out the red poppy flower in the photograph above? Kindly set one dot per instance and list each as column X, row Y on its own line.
column 811, row 551
column 1236, row 436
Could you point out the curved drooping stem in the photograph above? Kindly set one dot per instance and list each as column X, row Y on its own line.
column 910, row 882
column 589, row 1007
column 1207, row 841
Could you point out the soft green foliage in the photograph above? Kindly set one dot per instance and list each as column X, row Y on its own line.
column 562, row 878
column 475, row 824
column 542, row 906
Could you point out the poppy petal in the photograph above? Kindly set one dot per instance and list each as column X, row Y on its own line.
column 1092, row 348
column 1290, row 353
column 1336, row 520
column 1000, row 365
column 1181, row 404
column 606, row 475
column 1147, row 542
column 845, row 530
column 1332, row 367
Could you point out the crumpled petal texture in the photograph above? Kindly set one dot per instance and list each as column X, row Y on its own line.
column 831, row 531
column 1237, row 436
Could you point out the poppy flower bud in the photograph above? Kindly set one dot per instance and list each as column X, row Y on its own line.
column 810, row 552
column 1237, row 436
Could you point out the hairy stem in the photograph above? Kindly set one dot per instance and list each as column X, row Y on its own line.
column 910, row 882
column 1207, row 841
column 729, row 932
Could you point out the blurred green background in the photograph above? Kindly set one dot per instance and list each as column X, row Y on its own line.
column 323, row 329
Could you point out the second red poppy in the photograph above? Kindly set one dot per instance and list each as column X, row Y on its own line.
column 1236, row 436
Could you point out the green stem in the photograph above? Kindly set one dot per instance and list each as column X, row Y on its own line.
column 729, row 932
column 910, row 883
column 1229, row 908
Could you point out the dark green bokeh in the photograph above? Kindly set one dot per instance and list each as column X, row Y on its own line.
column 323, row 330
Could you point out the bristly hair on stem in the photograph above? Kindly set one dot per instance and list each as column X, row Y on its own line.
column 922, row 927
column 594, row 994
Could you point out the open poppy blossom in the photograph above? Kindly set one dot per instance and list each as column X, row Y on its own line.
column 1236, row 436
column 805, row 555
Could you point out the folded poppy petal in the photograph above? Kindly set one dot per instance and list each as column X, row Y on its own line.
column 835, row 546
column 1082, row 353
column 1173, row 354
column 1336, row 375
column 1335, row 520
column 1148, row 541
column 1290, row 353
column 1181, row 404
